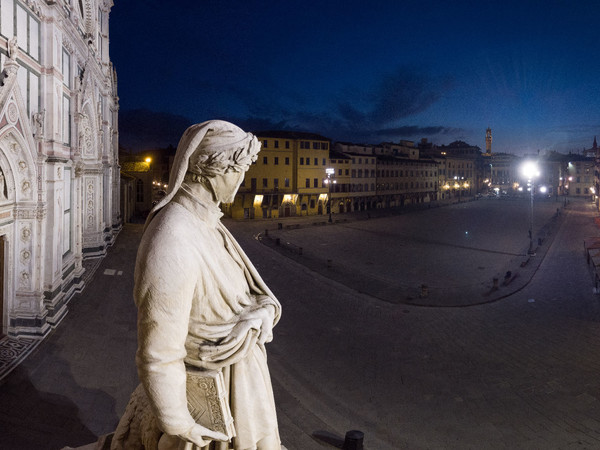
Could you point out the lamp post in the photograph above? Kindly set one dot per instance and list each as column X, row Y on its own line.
column 530, row 170
column 330, row 172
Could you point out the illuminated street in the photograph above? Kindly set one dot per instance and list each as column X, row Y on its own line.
column 521, row 372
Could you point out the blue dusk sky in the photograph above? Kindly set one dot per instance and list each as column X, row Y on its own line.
column 363, row 72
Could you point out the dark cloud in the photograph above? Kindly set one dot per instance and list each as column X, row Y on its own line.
column 370, row 115
column 413, row 130
column 142, row 129
column 404, row 93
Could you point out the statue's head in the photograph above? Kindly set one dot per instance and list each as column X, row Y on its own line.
column 216, row 153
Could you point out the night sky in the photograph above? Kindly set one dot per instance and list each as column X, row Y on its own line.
column 363, row 72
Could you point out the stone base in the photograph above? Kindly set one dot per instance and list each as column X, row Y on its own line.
column 103, row 443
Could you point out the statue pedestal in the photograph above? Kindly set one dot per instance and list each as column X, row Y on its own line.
column 103, row 443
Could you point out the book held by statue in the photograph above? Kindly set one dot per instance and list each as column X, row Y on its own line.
column 207, row 400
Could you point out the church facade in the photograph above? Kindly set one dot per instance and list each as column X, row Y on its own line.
column 59, row 169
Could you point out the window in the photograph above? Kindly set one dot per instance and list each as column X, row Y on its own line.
column 287, row 144
column 276, row 159
column 7, row 21
column 347, row 172
column 265, row 160
column 276, row 183
column 307, row 182
column 340, row 172
column 316, row 182
column 66, row 125
column 287, row 161
column 308, row 161
column 316, row 161
column 265, row 144
column 324, row 162
column 265, row 182
column 301, row 161
column 286, row 182
column 253, row 184
column 276, row 144
column 66, row 68
column 139, row 191
column 66, row 237
column 316, row 146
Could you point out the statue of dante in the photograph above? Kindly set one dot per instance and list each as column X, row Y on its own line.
column 201, row 305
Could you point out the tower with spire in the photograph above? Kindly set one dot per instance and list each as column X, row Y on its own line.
column 488, row 142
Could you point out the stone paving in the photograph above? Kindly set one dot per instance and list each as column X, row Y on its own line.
column 520, row 373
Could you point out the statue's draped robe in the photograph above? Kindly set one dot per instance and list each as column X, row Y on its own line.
column 193, row 283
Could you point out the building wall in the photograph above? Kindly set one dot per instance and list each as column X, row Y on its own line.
column 59, row 176
column 580, row 176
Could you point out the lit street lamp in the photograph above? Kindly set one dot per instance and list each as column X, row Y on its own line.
column 530, row 170
column 330, row 172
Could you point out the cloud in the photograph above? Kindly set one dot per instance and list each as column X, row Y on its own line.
column 368, row 114
column 141, row 129
column 404, row 93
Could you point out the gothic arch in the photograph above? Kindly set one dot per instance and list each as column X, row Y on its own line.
column 88, row 131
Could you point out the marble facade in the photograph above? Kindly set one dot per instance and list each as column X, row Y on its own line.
column 59, row 169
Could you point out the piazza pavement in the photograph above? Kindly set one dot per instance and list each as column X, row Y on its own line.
column 392, row 324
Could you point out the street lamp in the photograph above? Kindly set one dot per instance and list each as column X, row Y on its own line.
column 330, row 171
column 530, row 170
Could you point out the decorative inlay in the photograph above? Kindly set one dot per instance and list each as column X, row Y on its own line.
column 12, row 113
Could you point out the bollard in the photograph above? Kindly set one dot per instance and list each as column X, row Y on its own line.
column 353, row 440
column 276, row 241
column 279, row 226
column 424, row 291
column 328, row 263
column 495, row 283
column 539, row 241
column 266, row 232
column 299, row 250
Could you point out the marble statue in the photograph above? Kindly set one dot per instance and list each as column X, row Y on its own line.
column 201, row 305
column 13, row 48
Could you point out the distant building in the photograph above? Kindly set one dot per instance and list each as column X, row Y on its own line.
column 580, row 176
column 59, row 169
column 287, row 179
column 458, row 169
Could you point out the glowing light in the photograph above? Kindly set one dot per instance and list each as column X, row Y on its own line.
column 543, row 189
column 258, row 200
column 148, row 160
column 530, row 170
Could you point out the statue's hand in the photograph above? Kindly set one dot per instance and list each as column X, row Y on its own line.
column 265, row 316
column 260, row 319
column 202, row 436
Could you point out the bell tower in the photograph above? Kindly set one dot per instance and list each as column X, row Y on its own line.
column 488, row 141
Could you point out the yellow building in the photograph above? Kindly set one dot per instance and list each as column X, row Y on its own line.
column 288, row 178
